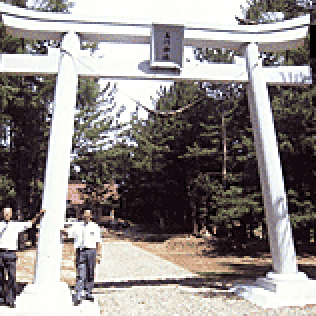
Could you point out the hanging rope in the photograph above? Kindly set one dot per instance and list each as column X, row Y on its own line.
column 245, row 21
column 163, row 114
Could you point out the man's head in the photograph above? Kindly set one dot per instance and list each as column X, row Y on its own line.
column 87, row 215
column 7, row 213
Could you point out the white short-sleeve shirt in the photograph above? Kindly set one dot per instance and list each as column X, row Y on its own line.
column 86, row 236
column 9, row 233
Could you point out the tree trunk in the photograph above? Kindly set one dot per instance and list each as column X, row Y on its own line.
column 161, row 223
column 224, row 172
column 264, row 231
column 158, row 217
column 19, row 207
column 214, row 230
column 195, row 225
column 194, row 219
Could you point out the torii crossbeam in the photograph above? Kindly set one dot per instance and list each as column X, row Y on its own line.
column 281, row 287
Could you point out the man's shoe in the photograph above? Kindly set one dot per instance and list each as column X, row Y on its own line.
column 11, row 305
column 89, row 298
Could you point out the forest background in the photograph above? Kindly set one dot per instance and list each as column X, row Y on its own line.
column 194, row 170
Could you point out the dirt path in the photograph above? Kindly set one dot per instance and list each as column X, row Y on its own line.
column 199, row 255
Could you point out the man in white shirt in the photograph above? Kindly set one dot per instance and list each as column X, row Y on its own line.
column 9, row 233
column 88, row 245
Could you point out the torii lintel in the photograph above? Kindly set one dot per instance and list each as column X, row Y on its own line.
column 278, row 36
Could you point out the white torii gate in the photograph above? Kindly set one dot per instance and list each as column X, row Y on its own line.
column 281, row 287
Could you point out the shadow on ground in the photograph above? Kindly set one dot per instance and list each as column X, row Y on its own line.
column 207, row 287
column 260, row 270
column 209, row 283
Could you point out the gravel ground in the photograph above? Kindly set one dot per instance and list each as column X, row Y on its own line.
column 132, row 281
column 118, row 293
column 172, row 301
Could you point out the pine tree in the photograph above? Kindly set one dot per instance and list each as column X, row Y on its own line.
column 92, row 152
column 25, row 118
column 26, row 111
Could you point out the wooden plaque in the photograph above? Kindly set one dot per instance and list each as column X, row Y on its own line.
column 167, row 46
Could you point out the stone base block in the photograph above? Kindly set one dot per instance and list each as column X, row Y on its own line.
column 279, row 290
column 49, row 300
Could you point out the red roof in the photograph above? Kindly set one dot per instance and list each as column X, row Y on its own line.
column 76, row 197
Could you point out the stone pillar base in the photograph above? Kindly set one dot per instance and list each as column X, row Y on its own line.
column 48, row 300
column 279, row 290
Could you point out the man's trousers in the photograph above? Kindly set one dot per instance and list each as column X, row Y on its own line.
column 8, row 266
column 85, row 264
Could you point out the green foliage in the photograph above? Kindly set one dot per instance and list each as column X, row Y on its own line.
column 7, row 192
column 26, row 111
column 52, row 5
column 25, row 122
column 95, row 162
column 294, row 118
column 290, row 8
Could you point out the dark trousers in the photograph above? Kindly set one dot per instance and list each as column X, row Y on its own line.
column 85, row 264
column 8, row 265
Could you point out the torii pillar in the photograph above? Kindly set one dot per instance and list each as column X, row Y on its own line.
column 46, row 291
column 47, row 295
column 285, row 285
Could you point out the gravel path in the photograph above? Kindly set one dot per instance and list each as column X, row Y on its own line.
column 124, row 261
column 132, row 281
column 172, row 301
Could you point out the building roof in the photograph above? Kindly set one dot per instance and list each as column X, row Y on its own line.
column 77, row 198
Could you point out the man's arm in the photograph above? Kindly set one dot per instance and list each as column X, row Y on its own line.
column 67, row 232
column 99, row 249
column 99, row 252
column 64, row 232
column 38, row 216
column 99, row 246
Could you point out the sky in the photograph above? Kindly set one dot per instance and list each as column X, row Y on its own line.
column 183, row 11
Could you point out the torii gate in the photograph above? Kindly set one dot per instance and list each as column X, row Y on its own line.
column 281, row 287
